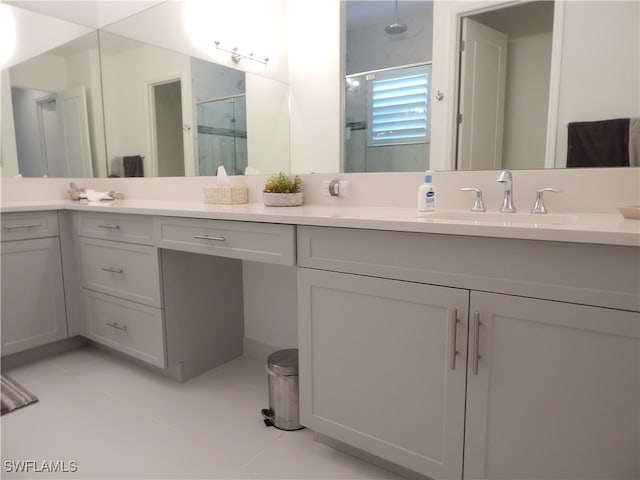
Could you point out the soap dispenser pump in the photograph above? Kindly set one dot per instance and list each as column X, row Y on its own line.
column 427, row 194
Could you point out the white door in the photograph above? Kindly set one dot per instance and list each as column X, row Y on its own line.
column 556, row 393
column 76, row 143
column 483, row 74
column 376, row 370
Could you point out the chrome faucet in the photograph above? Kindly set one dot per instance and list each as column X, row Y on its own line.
column 478, row 204
column 507, row 202
column 538, row 206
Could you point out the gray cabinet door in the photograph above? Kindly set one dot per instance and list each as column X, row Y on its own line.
column 33, row 309
column 376, row 370
column 556, row 393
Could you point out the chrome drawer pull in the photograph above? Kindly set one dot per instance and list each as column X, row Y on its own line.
column 112, row 270
column 476, row 341
column 15, row 227
column 452, row 347
column 219, row 238
column 110, row 227
column 116, row 326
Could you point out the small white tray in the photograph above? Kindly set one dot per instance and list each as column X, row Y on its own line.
column 630, row 211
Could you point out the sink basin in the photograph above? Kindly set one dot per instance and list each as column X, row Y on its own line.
column 498, row 218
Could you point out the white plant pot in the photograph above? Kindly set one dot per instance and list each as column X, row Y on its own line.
column 282, row 199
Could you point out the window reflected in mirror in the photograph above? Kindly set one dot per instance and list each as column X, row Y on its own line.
column 387, row 85
column 387, row 120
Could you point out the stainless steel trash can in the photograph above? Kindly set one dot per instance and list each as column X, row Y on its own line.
column 284, row 404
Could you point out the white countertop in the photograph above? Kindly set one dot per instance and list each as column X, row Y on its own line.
column 608, row 229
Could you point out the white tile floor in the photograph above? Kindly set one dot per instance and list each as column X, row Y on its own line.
column 118, row 420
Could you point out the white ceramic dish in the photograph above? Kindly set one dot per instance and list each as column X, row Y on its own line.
column 630, row 211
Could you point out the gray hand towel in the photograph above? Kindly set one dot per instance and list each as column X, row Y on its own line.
column 133, row 166
column 603, row 143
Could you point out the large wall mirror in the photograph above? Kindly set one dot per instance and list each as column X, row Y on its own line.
column 507, row 79
column 581, row 81
column 113, row 104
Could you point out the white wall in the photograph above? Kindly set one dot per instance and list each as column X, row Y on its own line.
column 127, row 77
column 600, row 74
column 370, row 48
column 8, row 148
column 31, row 162
column 526, row 102
column 253, row 26
column 267, row 124
column 51, row 33
column 315, row 83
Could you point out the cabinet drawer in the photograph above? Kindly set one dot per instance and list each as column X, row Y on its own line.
column 18, row 226
column 123, row 228
column 129, row 327
column 122, row 269
column 263, row 242
column 590, row 274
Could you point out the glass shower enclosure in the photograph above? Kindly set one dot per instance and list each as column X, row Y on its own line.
column 222, row 135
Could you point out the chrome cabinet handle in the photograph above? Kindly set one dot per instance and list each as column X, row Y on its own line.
column 116, row 326
column 15, row 227
column 452, row 347
column 112, row 270
column 110, row 227
column 476, row 341
column 218, row 238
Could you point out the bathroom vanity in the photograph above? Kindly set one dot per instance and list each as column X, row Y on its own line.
column 451, row 348
column 471, row 353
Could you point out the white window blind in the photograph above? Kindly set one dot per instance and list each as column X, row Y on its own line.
column 399, row 107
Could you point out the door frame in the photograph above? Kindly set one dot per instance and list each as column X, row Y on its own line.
column 40, row 101
column 151, row 160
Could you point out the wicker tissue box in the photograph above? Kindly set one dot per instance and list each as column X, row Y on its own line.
column 226, row 195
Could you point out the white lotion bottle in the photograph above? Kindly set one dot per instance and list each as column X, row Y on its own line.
column 427, row 194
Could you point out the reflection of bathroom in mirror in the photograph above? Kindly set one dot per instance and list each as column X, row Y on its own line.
column 166, row 113
column 558, row 71
column 56, row 103
column 232, row 114
column 505, row 65
column 387, row 81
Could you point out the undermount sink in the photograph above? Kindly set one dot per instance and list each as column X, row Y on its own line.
column 487, row 218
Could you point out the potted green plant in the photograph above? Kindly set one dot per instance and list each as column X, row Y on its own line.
column 282, row 190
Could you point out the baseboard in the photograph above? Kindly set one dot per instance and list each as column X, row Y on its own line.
column 173, row 371
column 39, row 353
column 258, row 350
column 369, row 458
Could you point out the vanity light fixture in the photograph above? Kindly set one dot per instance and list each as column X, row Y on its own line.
column 237, row 56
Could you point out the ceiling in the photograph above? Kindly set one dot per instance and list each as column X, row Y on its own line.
column 91, row 13
column 365, row 13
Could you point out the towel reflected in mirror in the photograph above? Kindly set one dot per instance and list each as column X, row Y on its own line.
column 604, row 143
